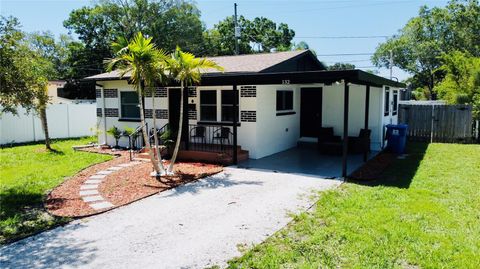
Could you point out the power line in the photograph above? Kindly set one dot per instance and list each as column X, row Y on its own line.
column 344, row 37
column 343, row 54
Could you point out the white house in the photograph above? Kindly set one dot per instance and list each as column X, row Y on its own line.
column 282, row 98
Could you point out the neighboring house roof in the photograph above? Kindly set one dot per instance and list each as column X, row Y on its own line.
column 301, row 60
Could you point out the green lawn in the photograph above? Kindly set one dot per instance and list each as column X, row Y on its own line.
column 26, row 174
column 424, row 213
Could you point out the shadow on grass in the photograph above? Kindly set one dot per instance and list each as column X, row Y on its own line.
column 400, row 172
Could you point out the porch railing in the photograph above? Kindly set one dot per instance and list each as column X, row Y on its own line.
column 210, row 138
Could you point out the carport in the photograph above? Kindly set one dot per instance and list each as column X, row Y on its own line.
column 296, row 160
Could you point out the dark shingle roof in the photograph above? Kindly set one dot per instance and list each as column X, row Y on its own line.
column 250, row 63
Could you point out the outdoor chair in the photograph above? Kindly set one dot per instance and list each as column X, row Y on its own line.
column 222, row 135
column 198, row 134
column 328, row 143
column 360, row 143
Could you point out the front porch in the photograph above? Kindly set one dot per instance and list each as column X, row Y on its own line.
column 306, row 161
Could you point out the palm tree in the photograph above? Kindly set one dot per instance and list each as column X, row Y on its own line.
column 187, row 69
column 142, row 60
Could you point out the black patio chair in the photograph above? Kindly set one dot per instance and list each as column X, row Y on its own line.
column 221, row 134
column 360, row 143
column 328, row 143
column 198, row 133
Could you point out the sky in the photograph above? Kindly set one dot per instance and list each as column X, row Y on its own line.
column 318, row 22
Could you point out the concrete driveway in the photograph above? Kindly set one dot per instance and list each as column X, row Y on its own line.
column 197, row 225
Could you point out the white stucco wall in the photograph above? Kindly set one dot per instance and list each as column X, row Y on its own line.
column 276, row 133
column 271, row 133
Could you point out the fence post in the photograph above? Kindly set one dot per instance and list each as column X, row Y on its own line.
column 433, row 119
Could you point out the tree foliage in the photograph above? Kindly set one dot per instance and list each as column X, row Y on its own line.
column 23, row 71
column 258, row 35
column 341, row 66
column 168, row 22
column 461, row 84
column 435, row 31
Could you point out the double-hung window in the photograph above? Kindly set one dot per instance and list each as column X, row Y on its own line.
column 208, row 105
column 284, row 100
column 129, row 105
column 228, row 99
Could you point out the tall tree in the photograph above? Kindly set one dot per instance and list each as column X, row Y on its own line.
column 25, row 72
column 187, row 69
column 167, row 22
column 435, row 31
column 140, row 59
column 258, row 35
column 15, row 73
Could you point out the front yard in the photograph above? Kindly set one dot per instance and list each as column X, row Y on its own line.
column 424, row 213
column 27, row 173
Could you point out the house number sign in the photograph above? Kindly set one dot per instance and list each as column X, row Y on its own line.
column 286, row 81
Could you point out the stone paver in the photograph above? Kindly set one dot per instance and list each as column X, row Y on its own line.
column 98, row 176
column 115, row 168
column 104, row 172
column 88, row 192
column 95, row 198
column 93, row 181
column 89, row 187
column 101, row 205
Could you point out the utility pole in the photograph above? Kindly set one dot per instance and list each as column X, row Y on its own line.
column 236, row 30
column 391, row 64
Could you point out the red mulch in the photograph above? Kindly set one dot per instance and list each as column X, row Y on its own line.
column 374, row 167
column 120, row 187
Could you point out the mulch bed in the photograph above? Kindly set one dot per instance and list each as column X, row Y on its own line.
column 374, row 167
column 121, row 187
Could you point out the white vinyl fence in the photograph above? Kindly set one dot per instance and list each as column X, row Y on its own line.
column 64, row 121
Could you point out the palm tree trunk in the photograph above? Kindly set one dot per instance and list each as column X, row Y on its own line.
column 179, row 134
column 146, row 137
column 43, row 119
column 155, row 137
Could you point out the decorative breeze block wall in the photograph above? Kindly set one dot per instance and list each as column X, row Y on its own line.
column 248, row 91
column 192, row 92
column 248, row 116
column 192, row 112
column 159, row 92
column 111, row 112
column 110, row 93
column 159, row 113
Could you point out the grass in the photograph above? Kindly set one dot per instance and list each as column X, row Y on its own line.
column 27, row 173
column 424, row 213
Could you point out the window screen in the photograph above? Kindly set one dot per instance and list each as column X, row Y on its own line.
column 284, row 100
column 129, row 105
column 228, row 98
column 208, row 105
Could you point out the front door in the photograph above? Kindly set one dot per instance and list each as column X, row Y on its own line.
column 173, row 108
column 310, row 112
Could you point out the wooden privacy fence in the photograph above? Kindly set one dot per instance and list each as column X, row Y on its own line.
column 439, row 122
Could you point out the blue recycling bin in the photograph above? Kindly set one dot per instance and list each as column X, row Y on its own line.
column 396, row 138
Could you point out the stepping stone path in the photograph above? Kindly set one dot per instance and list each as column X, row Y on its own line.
column 89, row 188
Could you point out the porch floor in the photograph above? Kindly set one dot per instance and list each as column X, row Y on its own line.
column 306, row 161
